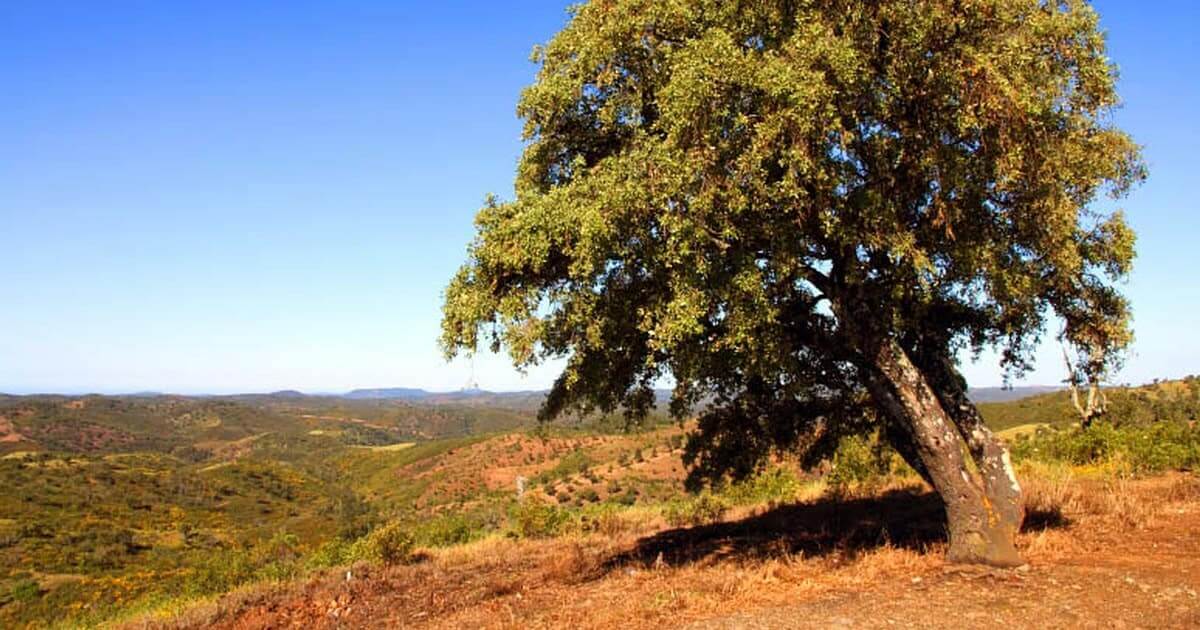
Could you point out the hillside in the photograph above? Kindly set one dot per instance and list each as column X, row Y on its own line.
column 873, row 562
column 1158, row 401
column 116, row 503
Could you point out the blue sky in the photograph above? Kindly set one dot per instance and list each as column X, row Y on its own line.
column 249, row 196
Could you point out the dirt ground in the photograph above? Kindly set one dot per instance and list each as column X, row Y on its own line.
column 1101, row 554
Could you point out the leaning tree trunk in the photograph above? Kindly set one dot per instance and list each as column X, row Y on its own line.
column 990, row 454
column 898, row 434
column 980, row 532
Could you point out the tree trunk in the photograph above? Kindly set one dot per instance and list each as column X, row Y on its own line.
column 979, row 533
column 990, row 454
column 898, row 435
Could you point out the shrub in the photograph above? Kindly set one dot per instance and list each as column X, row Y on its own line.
column 701, row 509
column 23, row 591
column 1149, row 447
column 606, row 519
column 575, row 462
column 281, row 547
column 449, row 530
column 333, row 553
column 859, row 461
column 390, row 544
column 532, row 518
column 778, row 485
column 219, row 573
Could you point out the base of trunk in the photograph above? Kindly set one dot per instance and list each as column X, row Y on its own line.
column 992, row 546
column 982, row 513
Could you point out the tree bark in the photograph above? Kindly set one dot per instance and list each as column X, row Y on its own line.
column 990, row 454
column 979, row 533
column 899, row 436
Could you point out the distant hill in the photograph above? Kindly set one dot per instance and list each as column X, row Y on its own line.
column 1002, row 394
column 387, row 393
column 288, row 393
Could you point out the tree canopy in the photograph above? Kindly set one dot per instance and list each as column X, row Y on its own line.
column 760, row 199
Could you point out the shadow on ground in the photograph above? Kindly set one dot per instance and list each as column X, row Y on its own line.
column 833, row 526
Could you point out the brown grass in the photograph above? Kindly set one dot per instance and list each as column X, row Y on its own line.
column 636, row 573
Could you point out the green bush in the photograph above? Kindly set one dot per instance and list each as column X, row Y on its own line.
column 333, row 553
column 532, row 518
column 574, row 463
column 701, row 509
column 859, row 461
column 778, row 485
column 1143, row 448
column 219, row 573
column 629, row 497
column 449, row 530
column 23, row 591
column 390, row 544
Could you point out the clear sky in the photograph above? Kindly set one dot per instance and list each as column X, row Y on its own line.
column 249, row 196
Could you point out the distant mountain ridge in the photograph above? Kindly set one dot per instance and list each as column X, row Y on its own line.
column 387, row 393
column 481, row 397
column 1009, row 394
column 977, row 394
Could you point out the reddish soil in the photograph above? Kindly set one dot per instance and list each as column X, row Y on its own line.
column 495, row 464
column 8, row 433
column 1148, row 580
column 84, row 437
column 1121, row 555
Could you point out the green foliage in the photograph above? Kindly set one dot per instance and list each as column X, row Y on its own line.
column 1141, row 448
column 390, row 544
column 859, row 460
column 627, row 498
column 219, row 573
column 777, row 485
column 701, row 509
column 24, row 590
column 532, row 518
column 450, row 529
column 755, row 197
column 1162, row 401
column 575, row 462
column 331, row 553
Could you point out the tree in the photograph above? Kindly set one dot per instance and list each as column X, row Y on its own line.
column 802, row 212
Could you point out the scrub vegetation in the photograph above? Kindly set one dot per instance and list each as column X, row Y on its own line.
column 93, row 535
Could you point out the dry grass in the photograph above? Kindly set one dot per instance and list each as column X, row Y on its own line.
column 634, row 572
column 1059, row 499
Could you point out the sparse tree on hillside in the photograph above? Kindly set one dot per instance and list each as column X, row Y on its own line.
column 803, row 211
